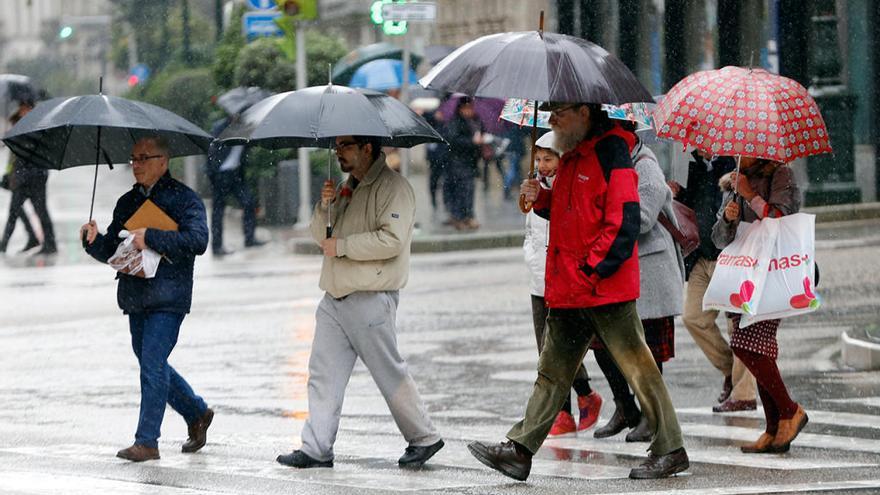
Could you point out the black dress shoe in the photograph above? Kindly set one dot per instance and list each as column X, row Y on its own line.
column 254, row 243
column 619, row 421
column 299, row 459
column 31, row 243
column 661, row 466
column 641, row 433
column 415, row 457
column 222, row 252
column 504, row 457
column 198, row 432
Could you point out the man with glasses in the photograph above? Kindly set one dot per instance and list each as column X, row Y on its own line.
column 156, row 307
column 366, row 263
column 592, row 283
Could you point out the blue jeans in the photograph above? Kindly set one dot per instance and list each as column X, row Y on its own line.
column 153, row 336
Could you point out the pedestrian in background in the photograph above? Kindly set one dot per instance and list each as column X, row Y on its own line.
column 661, row 277
column 28, row 183
column 592, row 257
column 225, row 168
column 702, row 194
column 8, row 182
column 535, row 246
column 366, row 263
column 463, row 132
column 763, row 189
column 156, row 307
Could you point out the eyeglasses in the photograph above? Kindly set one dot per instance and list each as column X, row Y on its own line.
column 555, row 113
column 142, row 159
column 341, row 146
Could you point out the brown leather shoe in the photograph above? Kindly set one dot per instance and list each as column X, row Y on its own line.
column 788, row 430
column 731, row 405
column 762, row 446
column 504, row 457
column 138, row 453
column 661, row 466
column 198, row 432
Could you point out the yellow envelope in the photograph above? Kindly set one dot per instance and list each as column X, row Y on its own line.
column 150, row 216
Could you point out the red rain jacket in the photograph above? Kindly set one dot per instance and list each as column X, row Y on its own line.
column 592, row 259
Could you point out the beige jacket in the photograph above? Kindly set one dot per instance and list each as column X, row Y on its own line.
column 374, row 228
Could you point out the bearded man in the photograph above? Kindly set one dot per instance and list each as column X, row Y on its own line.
column 591, row 284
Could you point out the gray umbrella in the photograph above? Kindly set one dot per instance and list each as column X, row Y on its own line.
column 65, row 132
column 537, row 66
column 239, row 99
column 84, row 130
column 314, row 117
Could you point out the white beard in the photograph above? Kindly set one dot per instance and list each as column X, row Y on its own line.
column 567, row 141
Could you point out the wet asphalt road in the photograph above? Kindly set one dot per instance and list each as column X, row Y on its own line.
column 69, row 381
column 69, row 386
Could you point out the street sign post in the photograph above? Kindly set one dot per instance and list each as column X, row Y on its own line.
column 261, row 4
column 410, row 11
column 259, row 24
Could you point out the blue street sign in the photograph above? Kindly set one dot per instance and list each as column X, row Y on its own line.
column 257, row 24
column 261, row 4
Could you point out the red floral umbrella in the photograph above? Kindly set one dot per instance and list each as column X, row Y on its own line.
column 736, row 111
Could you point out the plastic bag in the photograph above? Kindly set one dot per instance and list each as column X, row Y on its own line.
column 132, row 261
column 741, row 269
column 767, row 271
column 789, row 286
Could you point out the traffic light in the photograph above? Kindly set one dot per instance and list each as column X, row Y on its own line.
column 65, row 32
column 392, row 28
column 133, row 80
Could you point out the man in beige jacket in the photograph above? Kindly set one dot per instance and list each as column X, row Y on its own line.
column 366, row 262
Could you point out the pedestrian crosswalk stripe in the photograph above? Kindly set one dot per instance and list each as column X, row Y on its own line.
column 830, row 486
column 852, row 420
column 813, row 440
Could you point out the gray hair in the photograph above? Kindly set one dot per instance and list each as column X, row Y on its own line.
column 159, row 141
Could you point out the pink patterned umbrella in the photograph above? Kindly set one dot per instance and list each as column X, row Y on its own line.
column 736, row 111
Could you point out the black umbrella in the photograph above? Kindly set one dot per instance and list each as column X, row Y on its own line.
column 239, row 99
column 436, row 53
column 15, row 89
column 314, row 117
column 83, row 130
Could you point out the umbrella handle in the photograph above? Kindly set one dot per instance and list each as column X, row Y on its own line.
column 524, row 206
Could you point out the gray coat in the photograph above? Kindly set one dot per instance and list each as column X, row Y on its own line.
column 661, row 266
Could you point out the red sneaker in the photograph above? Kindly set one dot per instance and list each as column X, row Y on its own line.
column 563, row 425
column 589, row 406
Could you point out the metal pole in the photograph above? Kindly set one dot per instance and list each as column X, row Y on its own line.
column 404, row 97
column 305, row 176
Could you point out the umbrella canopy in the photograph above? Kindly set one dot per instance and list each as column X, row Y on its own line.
column 239, row 99
column 347, row 65
column 14, row 89
column 64, row 132
column 488, row 111
column 314, row 117
column 436, row 53
column 736, row 111
column 381, row 75
column 536, row 66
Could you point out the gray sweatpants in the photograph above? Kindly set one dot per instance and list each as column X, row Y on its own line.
column 360, row 325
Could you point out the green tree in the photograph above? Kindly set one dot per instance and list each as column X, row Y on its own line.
column 187, row 92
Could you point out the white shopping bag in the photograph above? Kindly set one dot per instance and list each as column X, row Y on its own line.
column 130, row 260
column 741, row 270
column 788, row 288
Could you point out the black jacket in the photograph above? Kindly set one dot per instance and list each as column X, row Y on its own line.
column 171, row 289
column 703, row 195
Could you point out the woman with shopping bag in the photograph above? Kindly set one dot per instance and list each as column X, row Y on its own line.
column 761, row 189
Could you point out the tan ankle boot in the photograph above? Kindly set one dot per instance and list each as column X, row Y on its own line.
column 761, row 446
column 789, row 429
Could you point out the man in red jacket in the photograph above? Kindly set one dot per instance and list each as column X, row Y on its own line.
column 592, row 282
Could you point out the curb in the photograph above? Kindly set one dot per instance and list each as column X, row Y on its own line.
column 859, row 354
column 843, row 213
column 438, row 243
